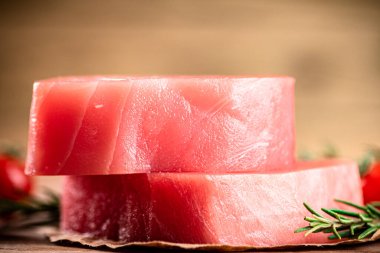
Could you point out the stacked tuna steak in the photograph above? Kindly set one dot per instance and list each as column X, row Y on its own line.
column 180, row 159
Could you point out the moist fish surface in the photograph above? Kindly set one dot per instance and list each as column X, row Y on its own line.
column 234, row 209
column 120, row 124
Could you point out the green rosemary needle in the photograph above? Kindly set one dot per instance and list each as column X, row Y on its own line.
column 30, row 212
column 342, row 223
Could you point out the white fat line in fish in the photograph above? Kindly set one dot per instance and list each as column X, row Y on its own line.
column 72, row 144
column 115, row 141
column 245, row 151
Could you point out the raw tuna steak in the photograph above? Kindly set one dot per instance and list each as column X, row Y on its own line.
column 119, row 125
column 234, row 209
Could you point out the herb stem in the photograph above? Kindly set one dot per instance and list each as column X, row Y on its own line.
column 343, row 223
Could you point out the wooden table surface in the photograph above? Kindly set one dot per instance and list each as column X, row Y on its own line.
column 39, row 243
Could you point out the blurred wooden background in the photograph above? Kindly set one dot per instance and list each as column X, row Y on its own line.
column 332, row 48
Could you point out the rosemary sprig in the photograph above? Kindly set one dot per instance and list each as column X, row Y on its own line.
column 365, row 163
column 342, row 223
column 30, row 212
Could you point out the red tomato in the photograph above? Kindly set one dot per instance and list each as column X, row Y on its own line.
column 14, row 184
column 371, row 184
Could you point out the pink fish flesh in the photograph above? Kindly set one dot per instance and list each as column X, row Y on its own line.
column 234, row 209
column 119, row 125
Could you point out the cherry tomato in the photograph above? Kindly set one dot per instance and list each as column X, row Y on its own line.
column 371, row 183
column 14, row 184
